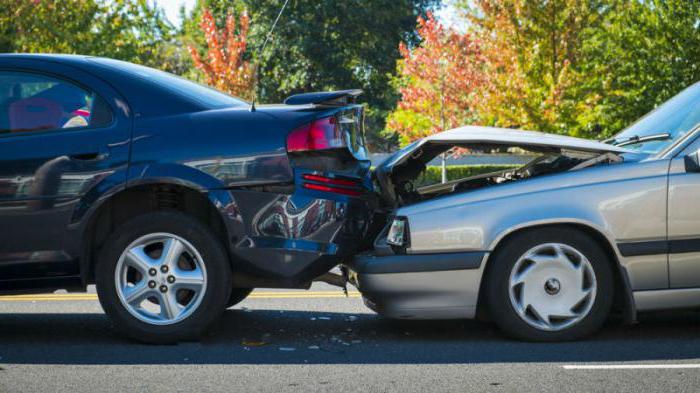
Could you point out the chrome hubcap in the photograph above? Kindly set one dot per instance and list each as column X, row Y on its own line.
column 161, row 279
column 552, row 286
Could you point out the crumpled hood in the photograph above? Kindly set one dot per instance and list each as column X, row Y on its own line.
column 473, row 135
column 505, row 136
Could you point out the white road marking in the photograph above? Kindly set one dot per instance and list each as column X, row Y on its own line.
column 629, row 366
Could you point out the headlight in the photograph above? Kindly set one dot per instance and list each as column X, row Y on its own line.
column 398, row 232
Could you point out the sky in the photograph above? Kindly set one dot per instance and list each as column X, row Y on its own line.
column 172, row 10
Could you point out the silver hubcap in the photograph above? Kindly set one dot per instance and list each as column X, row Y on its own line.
column 552, row 286
column 161, row 279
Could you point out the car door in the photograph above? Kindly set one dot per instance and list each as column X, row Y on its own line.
column 61, row 134
column 684, row 219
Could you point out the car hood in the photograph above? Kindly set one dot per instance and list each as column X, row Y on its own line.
column 475, row 135
column 505, row 136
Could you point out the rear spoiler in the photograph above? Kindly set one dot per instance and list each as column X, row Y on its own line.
column 334, row 98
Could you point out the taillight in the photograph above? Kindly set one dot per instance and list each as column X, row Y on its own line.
column 333, row 185
column 321, row 134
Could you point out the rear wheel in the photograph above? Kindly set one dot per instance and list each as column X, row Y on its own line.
column 550, row 285
column 163, row 277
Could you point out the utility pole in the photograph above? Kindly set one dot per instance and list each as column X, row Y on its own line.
column 443, row 120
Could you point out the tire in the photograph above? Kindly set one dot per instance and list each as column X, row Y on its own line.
column 544, row 272
column 237, row 296
column 199, row 270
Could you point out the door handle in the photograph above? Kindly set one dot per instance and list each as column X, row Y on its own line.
column 91, row 156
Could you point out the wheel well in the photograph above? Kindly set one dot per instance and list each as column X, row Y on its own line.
column 140, row 200
column 623, row 299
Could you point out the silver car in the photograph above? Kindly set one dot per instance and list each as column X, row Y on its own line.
column 549, row 248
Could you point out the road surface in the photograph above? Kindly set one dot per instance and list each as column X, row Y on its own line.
column 320, row 341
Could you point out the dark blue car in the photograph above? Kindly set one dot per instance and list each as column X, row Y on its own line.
column 175, row 199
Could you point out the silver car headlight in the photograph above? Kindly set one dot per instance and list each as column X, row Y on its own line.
column 398, row 232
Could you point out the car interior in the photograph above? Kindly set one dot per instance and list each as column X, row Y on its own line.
column 32, row 103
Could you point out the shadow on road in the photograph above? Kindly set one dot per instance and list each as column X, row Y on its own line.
column 295, row 337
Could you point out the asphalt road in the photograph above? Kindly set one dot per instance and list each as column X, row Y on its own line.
column 280, row 341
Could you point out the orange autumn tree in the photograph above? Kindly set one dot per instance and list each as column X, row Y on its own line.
column 225, row 67
column 440, row 82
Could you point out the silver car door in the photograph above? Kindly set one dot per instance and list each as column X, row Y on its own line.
column 684, row 219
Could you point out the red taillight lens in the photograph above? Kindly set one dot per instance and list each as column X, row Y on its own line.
column 330, row 180
column 334, row 185
column 335, row 190
column 322, row 134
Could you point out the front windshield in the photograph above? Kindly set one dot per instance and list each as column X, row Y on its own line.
column 677, row 117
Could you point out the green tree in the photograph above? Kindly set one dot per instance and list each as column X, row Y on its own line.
column 646, row 52
column 535, row 51
column 584, row 67
column 323, row 45
column 130, row 30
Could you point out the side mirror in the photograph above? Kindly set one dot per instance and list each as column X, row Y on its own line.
column 692, row 162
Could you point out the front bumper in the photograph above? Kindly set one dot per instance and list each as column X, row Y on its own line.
column 419, row 286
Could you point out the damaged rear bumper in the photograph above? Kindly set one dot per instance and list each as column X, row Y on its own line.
column 419, row 286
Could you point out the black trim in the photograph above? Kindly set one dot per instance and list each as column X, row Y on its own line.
column 683, row 246
column 658, row 247
column 415, row 263
column 635, row 249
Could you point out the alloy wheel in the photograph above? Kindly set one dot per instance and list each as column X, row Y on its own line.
column 161, row 279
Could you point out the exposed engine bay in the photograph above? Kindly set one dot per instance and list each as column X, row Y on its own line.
column 408, row 189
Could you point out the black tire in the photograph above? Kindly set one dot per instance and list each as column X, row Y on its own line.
column 218, row 276
column 238, row 295
column 498, row 276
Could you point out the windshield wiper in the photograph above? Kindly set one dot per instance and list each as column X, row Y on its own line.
column 638, row 139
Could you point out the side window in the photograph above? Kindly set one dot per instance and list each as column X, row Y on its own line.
column 692, row 148
column 34, row 102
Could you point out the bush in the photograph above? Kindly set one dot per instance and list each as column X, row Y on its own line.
column 433, row 174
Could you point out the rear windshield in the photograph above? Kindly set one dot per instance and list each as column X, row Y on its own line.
column 202, row 95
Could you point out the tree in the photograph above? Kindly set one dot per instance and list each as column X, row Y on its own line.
column 129, row 30
column 536, row 58
column 327, row 45
column 646, row 52
column 225, row 67
column 583, row 67
column 440, row 82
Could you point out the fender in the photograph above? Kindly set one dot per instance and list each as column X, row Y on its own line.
column 118, row 182
column 168, row 173
column 221, row 199
column 90, row 203
column 630, row 309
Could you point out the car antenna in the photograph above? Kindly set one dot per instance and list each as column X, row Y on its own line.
column 262, row 50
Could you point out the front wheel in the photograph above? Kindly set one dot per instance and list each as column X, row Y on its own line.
column 550, row 285
column 163, row 277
